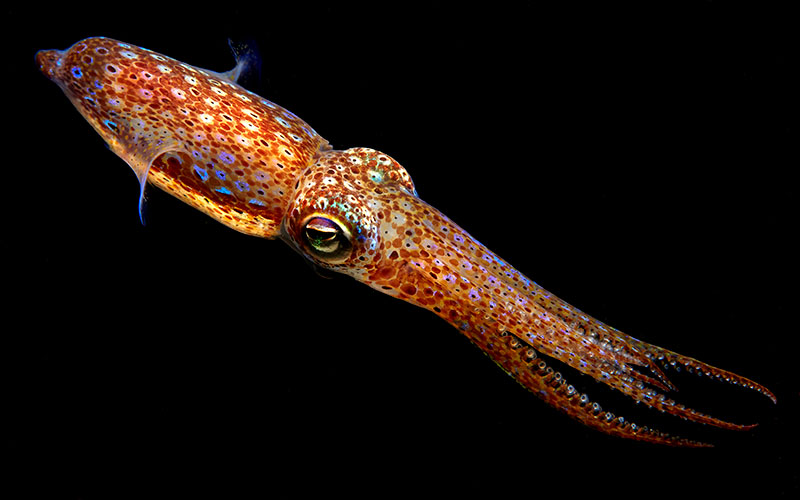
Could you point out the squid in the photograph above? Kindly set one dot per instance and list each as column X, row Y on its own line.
column 259, row 169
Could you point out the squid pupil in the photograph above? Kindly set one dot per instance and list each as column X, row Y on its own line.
column 323, row 234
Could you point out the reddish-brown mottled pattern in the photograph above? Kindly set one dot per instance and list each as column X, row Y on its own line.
column 268, row 173
column 158, row 113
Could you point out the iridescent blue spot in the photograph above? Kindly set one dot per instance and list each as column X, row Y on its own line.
column 91, row 100
column 111, row 125
column 223, row 190
column 220, row 174
column 242, row 186
column 200, row 173
column 226, row 158
column 124, row 45
column 255, row 201
column 76, row 72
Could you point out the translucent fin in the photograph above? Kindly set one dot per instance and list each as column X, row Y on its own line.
column 248, row 63
column 139, row 149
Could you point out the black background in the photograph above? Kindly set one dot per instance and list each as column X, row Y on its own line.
column 638, row 161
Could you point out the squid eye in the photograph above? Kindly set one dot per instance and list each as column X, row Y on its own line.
column 329, row 240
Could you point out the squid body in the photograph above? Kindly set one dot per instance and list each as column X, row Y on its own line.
column 259, row 169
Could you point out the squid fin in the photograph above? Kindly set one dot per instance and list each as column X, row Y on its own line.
column 248, row 63
column 139, row 149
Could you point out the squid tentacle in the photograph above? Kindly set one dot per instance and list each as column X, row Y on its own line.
column 554, row 389
column 674, row 360
column 526, row 365
column 584, row 355
column 648, row 355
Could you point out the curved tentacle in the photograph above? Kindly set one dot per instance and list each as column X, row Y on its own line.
column 626, row 378
column 670, row 358
column 522, row 362
column 551, row 386
column 649, row 355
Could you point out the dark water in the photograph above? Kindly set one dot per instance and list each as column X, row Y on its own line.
column 635, row 161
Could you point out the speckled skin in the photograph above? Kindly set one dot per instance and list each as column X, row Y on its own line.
column 259, row 169
column 193, row 133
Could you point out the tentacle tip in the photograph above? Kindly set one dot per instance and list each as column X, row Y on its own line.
column 766, row 392
column 762, row 390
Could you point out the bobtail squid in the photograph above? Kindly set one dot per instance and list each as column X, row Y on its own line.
column 257, row 168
